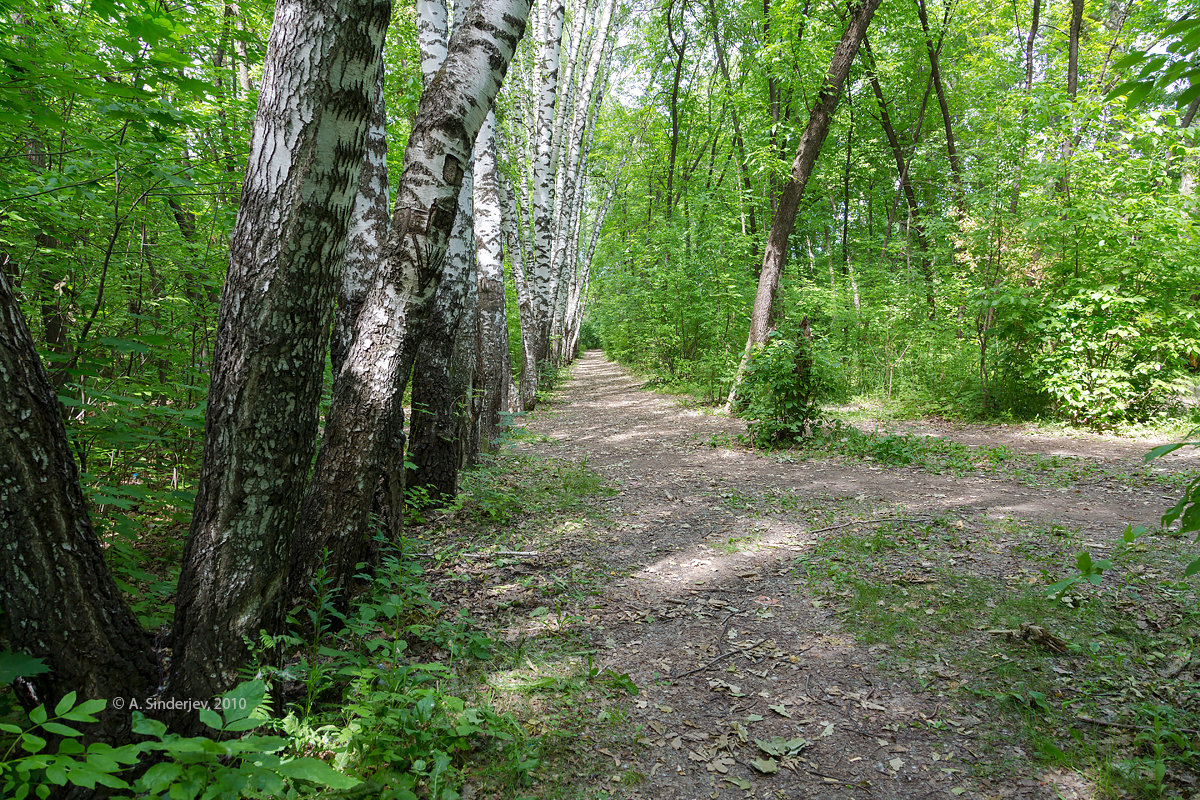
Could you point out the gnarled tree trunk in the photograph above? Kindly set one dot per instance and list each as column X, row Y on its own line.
column 364, row 428
column 319, row 88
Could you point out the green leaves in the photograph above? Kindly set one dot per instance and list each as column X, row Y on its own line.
column 1088, row 571
column 18, row 665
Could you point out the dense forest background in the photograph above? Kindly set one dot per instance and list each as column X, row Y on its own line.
column 988, row 232
column 994, row 215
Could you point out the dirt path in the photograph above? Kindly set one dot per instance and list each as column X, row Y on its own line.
column 720, row 631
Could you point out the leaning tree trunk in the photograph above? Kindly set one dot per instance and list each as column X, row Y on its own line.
column 789, row 199
column 435, row 448
column 925, row 259
column 319, row 88
column 59, row 600
column 365, row 423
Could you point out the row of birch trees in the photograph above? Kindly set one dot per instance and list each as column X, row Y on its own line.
column 343, row 282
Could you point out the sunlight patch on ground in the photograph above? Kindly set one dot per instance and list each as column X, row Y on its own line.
column 701, row 561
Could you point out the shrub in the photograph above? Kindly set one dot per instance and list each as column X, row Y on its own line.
column 783, row 388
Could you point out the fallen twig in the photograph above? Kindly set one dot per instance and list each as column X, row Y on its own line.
column 510, row 553
column 1033, row 633
column 703, row 667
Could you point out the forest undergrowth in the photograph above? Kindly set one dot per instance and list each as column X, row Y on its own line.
column 500, row 651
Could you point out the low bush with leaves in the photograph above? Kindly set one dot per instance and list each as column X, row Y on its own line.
column 354, row 688
column 781, row 393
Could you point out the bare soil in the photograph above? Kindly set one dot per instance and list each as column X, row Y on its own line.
column 729, row 645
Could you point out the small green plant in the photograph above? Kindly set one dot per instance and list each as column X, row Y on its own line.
column 216, row 767
column 28, row 768
column 1089, row 571
column 784, row 385
column 1187, row 511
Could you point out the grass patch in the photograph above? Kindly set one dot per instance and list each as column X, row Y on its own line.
column 1104, row 680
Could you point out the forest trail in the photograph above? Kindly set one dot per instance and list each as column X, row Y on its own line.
column 715, row 613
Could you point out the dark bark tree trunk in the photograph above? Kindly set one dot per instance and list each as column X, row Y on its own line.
column 1073, row 49
column 364, row 428
column 306, row 152
column 933, row 50
column 59, row 600
column 806, row 157
column 1064, row 183
column 1029, row 43
column 680, row 50
column 910, row 195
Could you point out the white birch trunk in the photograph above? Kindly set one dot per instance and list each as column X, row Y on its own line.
column 494, row 368
column 276, row 309
column 541, row 277
column 443, row 363
column 369, row 221
column 364, row 427
column 528, row 386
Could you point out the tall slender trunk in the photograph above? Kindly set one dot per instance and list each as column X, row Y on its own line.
column 1064, row 184
column 527, row 389
column 939, row 88
column 680, row 50
column 364, row 427
column 494, row 369
column 910, row 194
column 775, row 252
column 261, row 424
column 435, row 449
column 738, row 140
column 1030, row 41
column 543, row 200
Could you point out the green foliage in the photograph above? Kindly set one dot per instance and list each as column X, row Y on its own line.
column 589, row 336
column 1089, row 571
column 391, row 719
column 215, row 767
column 1187, row 511
column 783, row 388
column 29, row 768
column 18, row 665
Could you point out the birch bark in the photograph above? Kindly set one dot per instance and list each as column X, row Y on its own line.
column 261, row 423
column 494, row 369
column 364, row 428
column 435, row 448
column 59, row 600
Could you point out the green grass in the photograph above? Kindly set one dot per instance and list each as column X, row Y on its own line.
column 912, row 589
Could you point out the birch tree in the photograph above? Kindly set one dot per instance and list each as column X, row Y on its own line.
column 435, row 448
column 59, row 600
column 319, row 87
column 363, row 440
column 494, row 368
